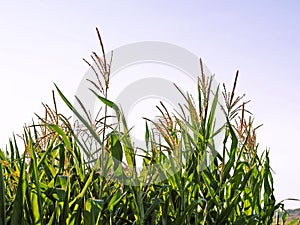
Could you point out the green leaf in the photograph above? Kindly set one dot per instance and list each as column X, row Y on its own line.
column 153, row 206
column 18, row 205
column 36, row 196
column 65, row 209
column 116, row 150
column 147, row 135
column 2, row 198
column 86, row 124
column 104, row 100
column 116, row 198
column 62, row 134
column 92, row 211
column 116, row 147
column 210, row 123
column 187, row 211
column 84, row 189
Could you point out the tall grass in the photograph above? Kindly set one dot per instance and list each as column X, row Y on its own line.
column 52, row 183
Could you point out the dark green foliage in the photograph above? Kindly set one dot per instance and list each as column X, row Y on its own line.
column 52, row 183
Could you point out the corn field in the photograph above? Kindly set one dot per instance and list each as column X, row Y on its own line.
column 48, row 180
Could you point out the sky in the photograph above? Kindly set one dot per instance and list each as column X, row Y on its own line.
column 43, row 42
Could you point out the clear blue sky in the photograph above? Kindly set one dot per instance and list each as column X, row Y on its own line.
column 42, row 42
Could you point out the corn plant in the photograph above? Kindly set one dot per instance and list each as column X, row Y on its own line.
column 51, row 180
